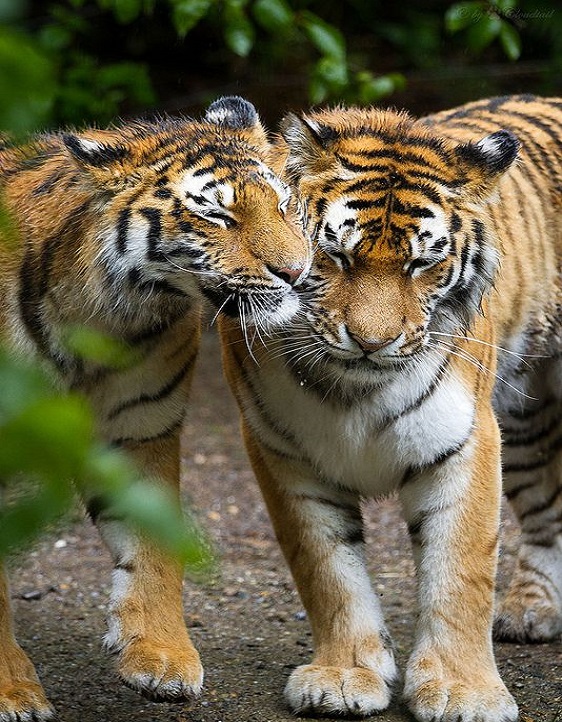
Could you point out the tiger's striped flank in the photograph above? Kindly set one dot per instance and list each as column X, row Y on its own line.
column 430, row 321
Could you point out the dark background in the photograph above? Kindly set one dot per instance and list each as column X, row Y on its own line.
column 107, row 58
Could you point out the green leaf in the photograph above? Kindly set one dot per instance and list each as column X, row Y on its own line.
column 145, row 504
column 91, row 345
column 333, row 72
column 325, row 38
column 187, row 13
column 484, row 32
column 27, row 83
column 238, row 31
column 328, row 79
column 48, row 438
column 510, row 40
column 460, row 15
column 127, row 10
column 373, row 88
column 505, row 6
column 273, row 15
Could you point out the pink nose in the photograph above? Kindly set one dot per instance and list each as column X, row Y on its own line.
column 289, row 274
column 372, row 344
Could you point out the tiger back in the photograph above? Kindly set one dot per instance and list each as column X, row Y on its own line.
column 126, row 232
column 431, row 313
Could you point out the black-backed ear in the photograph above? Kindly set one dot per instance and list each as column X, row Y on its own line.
column 487, row 159
column 301, row 133
column 232, row 112
column 94, row 153
column 309, row 144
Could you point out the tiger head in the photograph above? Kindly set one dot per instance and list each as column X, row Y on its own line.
column 397, row 216
column 191, row 207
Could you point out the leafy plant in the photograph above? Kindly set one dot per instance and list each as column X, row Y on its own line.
column 485, row 22
column 48, row 438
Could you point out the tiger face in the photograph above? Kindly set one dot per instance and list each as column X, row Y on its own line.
column 395, row 214
column 193, row 209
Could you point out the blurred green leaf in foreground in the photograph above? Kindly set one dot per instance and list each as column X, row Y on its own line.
column 48, row 438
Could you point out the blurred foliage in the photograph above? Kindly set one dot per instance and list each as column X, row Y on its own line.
column 48, row 448
column 79, row 61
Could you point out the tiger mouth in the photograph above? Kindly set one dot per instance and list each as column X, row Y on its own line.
column 246, row 303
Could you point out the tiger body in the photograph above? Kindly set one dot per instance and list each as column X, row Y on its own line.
column 126, row 232
column 431, row 313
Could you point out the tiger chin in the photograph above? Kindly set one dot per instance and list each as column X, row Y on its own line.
column 430, row 320
column 128, row 231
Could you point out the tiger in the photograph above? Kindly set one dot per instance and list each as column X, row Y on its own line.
column 129, row 231
column 425, row 357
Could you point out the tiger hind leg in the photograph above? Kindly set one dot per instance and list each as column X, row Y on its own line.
column 531, row 610
column 21, row 694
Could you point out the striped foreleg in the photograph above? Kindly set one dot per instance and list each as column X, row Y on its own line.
column 452, row 511
column 155, row 655
column 321, row 534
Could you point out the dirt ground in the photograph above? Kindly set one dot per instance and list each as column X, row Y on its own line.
column 247, row 623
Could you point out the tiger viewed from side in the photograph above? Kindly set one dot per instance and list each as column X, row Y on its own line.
column 126, row 231
column 430, row 329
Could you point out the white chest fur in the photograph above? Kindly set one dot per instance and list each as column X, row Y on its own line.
column 357, row 446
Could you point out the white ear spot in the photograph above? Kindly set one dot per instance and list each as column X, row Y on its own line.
column 217, row 116
column 89, row 147
column 489, row 145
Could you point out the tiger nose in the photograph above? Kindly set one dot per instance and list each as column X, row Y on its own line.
column 372, row 344
column 289, row 274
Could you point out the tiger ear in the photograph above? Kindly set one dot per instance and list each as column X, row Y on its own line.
column 309, row 144
column 107, row 163
column 93, row 153
column 232, row 111
column 484, row 162
column 235, row 113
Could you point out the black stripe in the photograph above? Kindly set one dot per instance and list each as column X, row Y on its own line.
column 168, row 431
column 422, row 398
column 350, row 509
column 542, row 506
column 123, row 229
column 529, row 413
column 154, row 331
column 267, row 421
column 518, row 438
column 97, row 508
column 159, row 395
column 542, row 459
column 154, row 237
column 149, row 286
column 353, row 536
column 34, row 281
column 51, row 181
column 415, row 470
column 512, row 493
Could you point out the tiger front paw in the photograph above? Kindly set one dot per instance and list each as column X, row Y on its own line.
column 24, row 700
column 352, row 691
column 435, row 692
column 21, row 695
column 161, row 673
